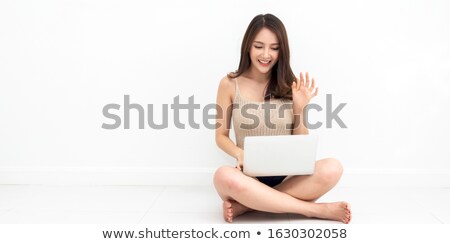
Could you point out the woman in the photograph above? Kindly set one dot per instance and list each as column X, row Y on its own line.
column 265, row 75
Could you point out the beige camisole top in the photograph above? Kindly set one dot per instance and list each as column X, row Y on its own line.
column 251, row 118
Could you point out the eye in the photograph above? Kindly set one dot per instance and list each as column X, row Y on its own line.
column 276, row 48
column 258, row 47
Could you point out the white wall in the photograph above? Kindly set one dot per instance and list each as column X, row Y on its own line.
column 62, row 61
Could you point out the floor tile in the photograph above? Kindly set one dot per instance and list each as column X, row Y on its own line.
column 57, row 217
column 201, row 205
column 398, row 218
column 374, row 200
column 12, row 196
column 104, row 217
column 100, row 198
column 188, row 199
column 435, row 201
column 182, row 218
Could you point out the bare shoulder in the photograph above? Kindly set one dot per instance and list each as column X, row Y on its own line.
column 227, row 87
column 227, row 83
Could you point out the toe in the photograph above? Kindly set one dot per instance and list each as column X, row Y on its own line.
column 227, row 204
column 347, row 220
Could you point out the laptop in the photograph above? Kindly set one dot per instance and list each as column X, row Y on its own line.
column 280, row 155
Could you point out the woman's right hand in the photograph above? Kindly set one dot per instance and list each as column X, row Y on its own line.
column 240, row 160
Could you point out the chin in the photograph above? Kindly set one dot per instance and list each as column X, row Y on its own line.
column 265, row 71
column 262, row 70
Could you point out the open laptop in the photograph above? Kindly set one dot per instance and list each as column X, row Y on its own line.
column 280, row 155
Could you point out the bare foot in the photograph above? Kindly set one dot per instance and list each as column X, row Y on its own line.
column 232, row 209
column 339, row 211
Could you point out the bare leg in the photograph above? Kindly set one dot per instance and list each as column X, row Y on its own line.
column 327, row 173
column 311, row 187
column 232, row 185
column 304, row 187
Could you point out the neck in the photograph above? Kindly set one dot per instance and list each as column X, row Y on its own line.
column 257, row 76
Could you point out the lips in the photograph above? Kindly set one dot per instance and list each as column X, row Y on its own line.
column 264, row 63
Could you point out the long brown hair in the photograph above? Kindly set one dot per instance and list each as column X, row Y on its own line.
column 281, row 74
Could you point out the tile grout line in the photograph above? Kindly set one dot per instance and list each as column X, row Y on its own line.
column 23, row 202
column 152, row 204
column 438, row 219
column 424, row 207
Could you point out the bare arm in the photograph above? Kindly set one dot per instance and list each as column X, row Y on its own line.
column 299, row 123
column 302, row 92
column 224, row 106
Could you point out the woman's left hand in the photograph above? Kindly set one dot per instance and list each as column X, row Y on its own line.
column 302, row 92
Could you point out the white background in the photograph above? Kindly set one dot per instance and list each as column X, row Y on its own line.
column 61, row 62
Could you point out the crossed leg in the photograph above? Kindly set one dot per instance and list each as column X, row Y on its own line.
column 296, row 194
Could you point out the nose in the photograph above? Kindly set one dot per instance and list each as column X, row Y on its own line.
column 266, row 53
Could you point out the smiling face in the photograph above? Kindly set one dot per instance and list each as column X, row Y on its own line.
column 264, row 51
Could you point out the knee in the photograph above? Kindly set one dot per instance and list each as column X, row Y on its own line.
column 227, row 178
column 329, row 171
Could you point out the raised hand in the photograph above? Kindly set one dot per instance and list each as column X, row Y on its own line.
column 302, row 92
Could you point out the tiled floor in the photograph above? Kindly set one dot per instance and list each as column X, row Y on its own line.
column 201, row 205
